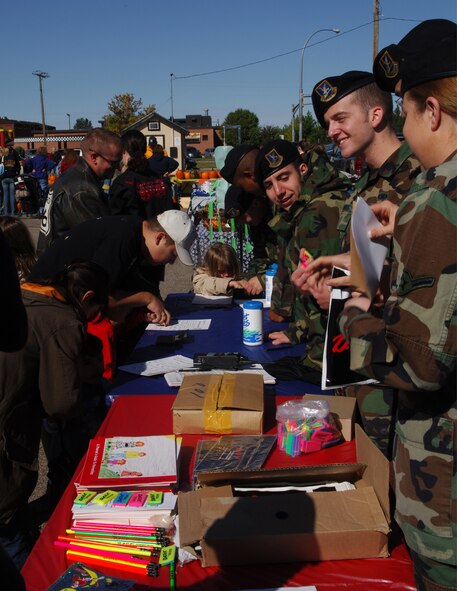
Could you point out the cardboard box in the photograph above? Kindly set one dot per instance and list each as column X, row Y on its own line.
column 219, row 404
column 291, row 527
column 343, row 411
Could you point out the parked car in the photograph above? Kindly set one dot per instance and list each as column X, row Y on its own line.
column 192, row 152
column 353, row 166
column 209, row 152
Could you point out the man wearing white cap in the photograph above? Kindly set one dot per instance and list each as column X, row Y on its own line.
column 123, row 245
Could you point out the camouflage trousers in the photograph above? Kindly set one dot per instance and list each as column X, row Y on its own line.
column 377, row 408
column 432, row 575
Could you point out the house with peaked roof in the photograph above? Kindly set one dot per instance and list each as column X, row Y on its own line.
column 168, row 134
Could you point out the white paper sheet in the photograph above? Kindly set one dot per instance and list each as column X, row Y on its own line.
column 174, row 379
column 371, row 253
column 156, row 367
column 202, row 324
column 212, row 300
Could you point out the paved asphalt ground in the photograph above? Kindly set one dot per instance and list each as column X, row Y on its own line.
column 178, row 278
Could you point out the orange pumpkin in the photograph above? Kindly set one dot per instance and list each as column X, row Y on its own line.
column 213, row 174
column 204, row 174
column 187, row 174
column 180, row 174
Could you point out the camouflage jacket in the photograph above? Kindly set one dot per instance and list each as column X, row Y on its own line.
column 392, row 181
column 310, row 223
column 414, row 348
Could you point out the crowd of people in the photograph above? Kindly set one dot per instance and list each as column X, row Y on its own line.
column 95, row 282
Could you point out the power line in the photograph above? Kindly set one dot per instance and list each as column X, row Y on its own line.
column 267, row 59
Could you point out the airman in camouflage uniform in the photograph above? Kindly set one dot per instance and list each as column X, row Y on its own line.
column 391, row 170
column 413, row 347
column 391, row 181
column 309, row 222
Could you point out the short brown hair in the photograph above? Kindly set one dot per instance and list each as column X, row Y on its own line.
column 444, row 90
column 98, row 138
column 370, row 96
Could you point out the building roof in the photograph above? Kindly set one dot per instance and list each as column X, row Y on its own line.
column 155, row 116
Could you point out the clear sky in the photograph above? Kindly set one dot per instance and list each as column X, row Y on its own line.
column 95, row 49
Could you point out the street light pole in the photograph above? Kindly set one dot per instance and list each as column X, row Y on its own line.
column 171, row 84
column 69, row 124
column 40, row 76
column 300, row 92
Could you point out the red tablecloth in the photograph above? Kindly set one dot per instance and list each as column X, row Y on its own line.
column 141, row 415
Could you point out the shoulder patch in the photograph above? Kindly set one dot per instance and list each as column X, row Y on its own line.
column 409, row 284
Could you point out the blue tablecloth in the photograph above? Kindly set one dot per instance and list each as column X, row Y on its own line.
column 223, row 336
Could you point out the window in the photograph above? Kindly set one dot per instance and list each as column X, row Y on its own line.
column 153, row 125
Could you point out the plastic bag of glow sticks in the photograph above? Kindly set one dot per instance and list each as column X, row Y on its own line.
column 305, row 426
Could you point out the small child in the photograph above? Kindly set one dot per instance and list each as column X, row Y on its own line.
column 220, row 272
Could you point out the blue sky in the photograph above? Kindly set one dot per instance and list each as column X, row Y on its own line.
column 96, row 49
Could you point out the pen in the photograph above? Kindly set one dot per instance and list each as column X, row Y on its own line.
column 172, row 576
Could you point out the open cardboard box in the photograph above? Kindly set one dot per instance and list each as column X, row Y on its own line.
column 291, row 527
column 219, row 404
column 342, row 409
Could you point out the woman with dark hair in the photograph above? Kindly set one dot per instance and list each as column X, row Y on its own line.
column 18, row 238
column 42, row 379
column 138, row 190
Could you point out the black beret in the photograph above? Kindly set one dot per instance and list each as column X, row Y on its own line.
column 273, row 156
column 330, row 90
column 424, row 40
column 232, row 160
column 237, row 201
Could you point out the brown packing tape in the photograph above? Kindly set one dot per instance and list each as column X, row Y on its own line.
column 218, row 397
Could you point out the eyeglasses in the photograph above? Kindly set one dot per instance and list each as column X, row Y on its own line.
column 113, row 163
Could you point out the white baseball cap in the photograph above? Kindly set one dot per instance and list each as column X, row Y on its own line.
column 180, row 228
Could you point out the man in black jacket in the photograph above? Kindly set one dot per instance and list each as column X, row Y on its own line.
column 77, row 195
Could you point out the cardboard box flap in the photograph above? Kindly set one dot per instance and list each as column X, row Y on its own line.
column 377, row 471
column 283, row 476
column 192, row 396
column 191, row 526
column 243, row 391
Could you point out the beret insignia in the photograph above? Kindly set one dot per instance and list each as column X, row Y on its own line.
column 326, row 91
column 389, row 65
column 273, row 158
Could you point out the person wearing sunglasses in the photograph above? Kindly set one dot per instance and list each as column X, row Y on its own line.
column 77, row 195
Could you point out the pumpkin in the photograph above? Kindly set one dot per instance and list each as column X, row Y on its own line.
column 194, row 173
column 213, row 174
column 204, row 174
column 180, row 174
column 187, row 174
column 51, row 178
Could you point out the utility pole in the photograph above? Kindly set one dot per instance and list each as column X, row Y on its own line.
column 40, row 76
column 375, row 28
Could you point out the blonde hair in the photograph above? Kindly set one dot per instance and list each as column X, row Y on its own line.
column 221, row 258
column 444, row 90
